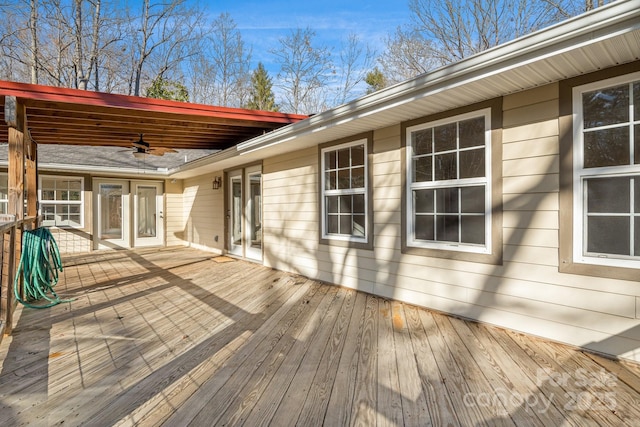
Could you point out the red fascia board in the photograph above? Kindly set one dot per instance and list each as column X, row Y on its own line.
column 101, row 99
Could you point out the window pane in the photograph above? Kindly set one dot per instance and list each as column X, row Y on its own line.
column 472, row 199
column 422, row 141
column 330, row 160
column 332, row 204
column 332, row 224
column 48, row 212
column 636, row 196
column 636, row 237
column 472, row 132
column 447, row 228
column 344, row 158
column 472, row 229
column 609, row 147
column 472, row 163
column 345, row 224
column 445, row 165
column 63, row 195
column 424, row 227
column 445, row 137
column 636, row 143
column 357, row 178
column 345, row 204
column 606, row 106
column 344, row 178
column 608, row 235
column 423, row 201
column 74, row 196
column 636, row 101
column 74, row 209
column 358, row 225
column 74, row 220
column 447, row 200
column 357, row 155
column 422, row 169
column 48, row 194
column 330, row 180
column 608, row 195
column 358, row 203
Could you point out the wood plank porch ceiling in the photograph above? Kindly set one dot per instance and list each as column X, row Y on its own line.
column 78, row 117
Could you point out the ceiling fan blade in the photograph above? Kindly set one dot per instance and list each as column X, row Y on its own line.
column 159, row 151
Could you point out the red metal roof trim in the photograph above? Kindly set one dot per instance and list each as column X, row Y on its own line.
column 101, row 99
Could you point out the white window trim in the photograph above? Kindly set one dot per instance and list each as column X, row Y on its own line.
column 411, row 186
column 324, row 192
column 61, row 202
column 580, row 174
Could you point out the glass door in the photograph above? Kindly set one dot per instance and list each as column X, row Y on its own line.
column 253, row 213
column 112, row 206
column 244, row 214
column 234, row 213
column 148, row 215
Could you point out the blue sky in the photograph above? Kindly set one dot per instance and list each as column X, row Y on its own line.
column 262, row 23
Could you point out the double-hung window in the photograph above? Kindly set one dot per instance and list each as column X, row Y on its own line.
column 606, row 196
column 344, row 195
column 448, row 185
column 61, row 201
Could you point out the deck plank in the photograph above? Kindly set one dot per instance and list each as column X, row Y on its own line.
column 389, row 399
column 168, row 337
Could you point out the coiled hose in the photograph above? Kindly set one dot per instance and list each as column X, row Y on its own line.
column 39, row 265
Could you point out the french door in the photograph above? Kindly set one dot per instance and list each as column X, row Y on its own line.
column 245, row 212
column 112, row 214
column 148, row 215
column 128, row 214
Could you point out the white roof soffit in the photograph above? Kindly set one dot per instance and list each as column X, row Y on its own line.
column 604, row 37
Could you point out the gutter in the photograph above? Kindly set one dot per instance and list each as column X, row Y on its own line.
column 111, row 171
column 604, row 22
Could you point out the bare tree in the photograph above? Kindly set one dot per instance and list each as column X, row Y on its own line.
column 407, row 55
column 161, row 36
column 354, row 62
column 230, row 60
column 305, row 70
column 445, row 31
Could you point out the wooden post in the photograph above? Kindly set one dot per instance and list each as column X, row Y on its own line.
column 31, row 176
column 16, row 118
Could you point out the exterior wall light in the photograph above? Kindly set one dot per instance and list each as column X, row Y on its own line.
column 217, row 182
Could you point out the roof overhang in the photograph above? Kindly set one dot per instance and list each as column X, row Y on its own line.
column 602, row 38
column 78, row 117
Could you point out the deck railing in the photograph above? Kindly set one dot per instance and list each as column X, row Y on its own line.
column 11, row 244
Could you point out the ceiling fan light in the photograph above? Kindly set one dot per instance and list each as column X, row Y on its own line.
column 138, row 154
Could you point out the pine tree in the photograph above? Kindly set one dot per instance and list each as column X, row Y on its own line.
column 261, row 95
column 376, row 80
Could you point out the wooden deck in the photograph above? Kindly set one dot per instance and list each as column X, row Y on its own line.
column 175, row 337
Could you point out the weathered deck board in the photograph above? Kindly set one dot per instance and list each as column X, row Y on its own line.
column 170, row 337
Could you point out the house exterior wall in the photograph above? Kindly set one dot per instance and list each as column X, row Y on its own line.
column 174, row 212
column 525, row 292
column 202, row 213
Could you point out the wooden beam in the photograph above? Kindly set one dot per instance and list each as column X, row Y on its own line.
column 31, row 176
column 16, row 163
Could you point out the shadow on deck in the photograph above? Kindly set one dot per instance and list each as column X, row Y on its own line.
column 176, row 337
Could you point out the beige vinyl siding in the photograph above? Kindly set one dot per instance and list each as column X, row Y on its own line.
column 525, row 293
column 174, row 213
column 203, row 213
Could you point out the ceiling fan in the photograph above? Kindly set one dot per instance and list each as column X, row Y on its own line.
column 141, row 147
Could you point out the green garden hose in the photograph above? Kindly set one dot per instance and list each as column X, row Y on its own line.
column 39, row 265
